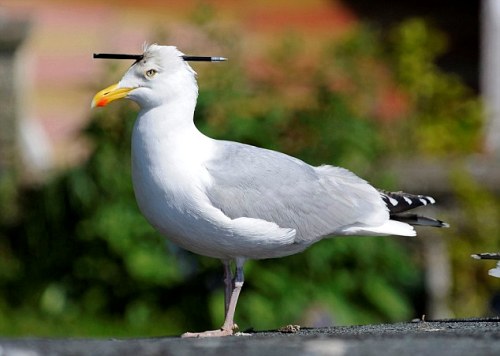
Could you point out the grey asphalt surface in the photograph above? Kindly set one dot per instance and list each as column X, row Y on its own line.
column 447, row 337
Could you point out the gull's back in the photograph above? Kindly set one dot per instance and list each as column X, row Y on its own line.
column 269, row 185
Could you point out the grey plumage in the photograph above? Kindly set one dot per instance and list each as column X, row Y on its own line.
column 256, row 183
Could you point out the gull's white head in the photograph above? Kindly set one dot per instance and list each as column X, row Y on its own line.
column 159, row 77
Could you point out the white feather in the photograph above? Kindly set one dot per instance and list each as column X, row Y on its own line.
column 495, row 272
column 390, row 227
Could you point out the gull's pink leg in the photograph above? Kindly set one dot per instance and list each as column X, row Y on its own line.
column 230, row 301
column 235, row 293
column 228, row 284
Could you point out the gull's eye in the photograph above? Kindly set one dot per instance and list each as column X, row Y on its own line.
column 151, row 73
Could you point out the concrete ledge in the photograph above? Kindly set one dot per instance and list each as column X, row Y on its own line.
column 447, row 337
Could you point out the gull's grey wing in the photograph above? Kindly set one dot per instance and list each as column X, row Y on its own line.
column 316, row 201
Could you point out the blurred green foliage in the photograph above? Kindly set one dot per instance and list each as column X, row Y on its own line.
column 80, row 259
column 477, row 227
column 447, row 118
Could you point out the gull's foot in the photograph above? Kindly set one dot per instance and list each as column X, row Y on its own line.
column 224, row 331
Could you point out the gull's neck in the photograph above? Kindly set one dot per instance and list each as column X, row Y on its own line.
column 168, row 130
column 170, row 119
column 168, row 161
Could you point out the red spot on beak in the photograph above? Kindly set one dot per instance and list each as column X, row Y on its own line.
column 102, row 102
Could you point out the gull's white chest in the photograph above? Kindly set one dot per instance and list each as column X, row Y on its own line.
column 170, row 184
column 168, row 173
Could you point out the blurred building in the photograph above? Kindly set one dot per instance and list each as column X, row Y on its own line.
column 58, row 75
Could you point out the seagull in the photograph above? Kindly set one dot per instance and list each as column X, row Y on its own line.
column 494, row 272
column 234, row 201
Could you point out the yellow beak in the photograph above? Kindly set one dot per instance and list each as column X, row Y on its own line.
column 109, row 94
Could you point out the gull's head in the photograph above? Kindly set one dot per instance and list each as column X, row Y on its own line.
column 160, row 76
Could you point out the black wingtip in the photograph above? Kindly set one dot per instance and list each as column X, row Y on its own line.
column 419, row 220
column 398, row 202
column 486, row 256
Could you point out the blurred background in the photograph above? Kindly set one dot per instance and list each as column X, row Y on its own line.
column 406, row 95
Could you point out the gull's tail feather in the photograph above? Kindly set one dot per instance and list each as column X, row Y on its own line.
column 400, row 223
column 399, row 202
column 390, row 227
column 414, row 219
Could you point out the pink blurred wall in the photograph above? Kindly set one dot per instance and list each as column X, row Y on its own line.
column 57, row 56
